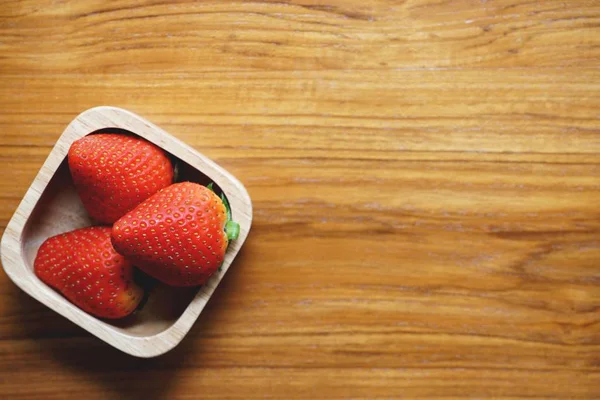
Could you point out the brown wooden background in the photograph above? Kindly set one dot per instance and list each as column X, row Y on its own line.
column 425, row 177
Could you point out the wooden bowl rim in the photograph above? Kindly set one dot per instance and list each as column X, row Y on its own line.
column 12, row 252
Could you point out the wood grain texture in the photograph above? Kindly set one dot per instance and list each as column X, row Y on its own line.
column 425, row 177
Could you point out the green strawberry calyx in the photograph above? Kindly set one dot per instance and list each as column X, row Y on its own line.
column 232, row 228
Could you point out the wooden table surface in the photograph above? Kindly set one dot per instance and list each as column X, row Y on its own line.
column 426, row 185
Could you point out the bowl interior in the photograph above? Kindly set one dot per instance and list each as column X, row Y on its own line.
column 60, row 210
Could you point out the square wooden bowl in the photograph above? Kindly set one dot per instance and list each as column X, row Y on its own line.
column 51, row 206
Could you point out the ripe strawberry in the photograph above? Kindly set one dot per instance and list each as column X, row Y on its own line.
column 114, row 172
column 179, row 235
column 85, row 268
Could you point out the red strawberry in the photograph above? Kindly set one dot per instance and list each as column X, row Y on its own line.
column 179, row 235
column 114, row 172
column 86, row 269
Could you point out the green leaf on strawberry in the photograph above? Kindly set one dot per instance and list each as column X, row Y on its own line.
column 231, row 228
